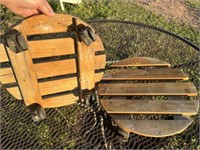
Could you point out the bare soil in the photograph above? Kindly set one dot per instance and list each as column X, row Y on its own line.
column 175, row 10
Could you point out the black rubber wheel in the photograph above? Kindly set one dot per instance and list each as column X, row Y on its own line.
column 22, row 42
column 91, row 34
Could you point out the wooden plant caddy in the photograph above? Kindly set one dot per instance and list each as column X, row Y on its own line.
column 59, row 71
column 116, row 89
column 55, row 72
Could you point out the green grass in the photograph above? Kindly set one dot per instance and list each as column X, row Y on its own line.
column 193, row 3
column 117, row 9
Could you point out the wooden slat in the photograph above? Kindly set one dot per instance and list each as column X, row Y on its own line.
column 59, row 101
column 100, row 61
column 51, row 102
column 55, row 68
column 86, row 62
column 25, row 74
column 125, row 106
column 3, row 55
column 42, row 24
column 14, row 91
column 51, row 47
column 152, row 128
column 6, row 76
column 97, row 45
column 63, row 67
column 57, row 47
column 98, row 76
column 55, row 86
column 140, row 61
column 124, row 89
column 154, row 74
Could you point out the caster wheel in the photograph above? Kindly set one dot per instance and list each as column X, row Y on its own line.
column 87, row 35
column 15, row 41
column 21, row 41
column 124, row 135
column 37, row 112
column 89, row 98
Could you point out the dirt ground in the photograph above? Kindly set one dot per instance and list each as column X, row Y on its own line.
column 176, row 10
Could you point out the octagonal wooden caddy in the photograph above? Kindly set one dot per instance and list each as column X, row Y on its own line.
column 56, row 61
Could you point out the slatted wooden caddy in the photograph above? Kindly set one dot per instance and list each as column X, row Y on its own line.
column 119, row 107
column 52, row 82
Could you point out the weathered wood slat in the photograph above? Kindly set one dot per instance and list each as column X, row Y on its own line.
column 97, row 45
column 55, row 68
column 14, row 91
column 51, row 102
column 63, row 67
column 51, row 47
column 59, row 101
column 3, row 55
column 100, row 61
column 125, row 106
column 42, row 24
column 54, row 86
column 140, row 61
column 7, row 76
column 57, row 47
column 154, row 74
column 25, row 74
column 152, row 128
column 124, row 89
column 86, row 64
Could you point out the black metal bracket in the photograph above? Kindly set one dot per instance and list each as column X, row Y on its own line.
column 87, row 35
column 37, row 112
column 89, row 97
column 15, row 41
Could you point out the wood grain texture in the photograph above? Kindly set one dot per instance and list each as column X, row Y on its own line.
column 57, row 47
column 86, row 61
column 51, row 47
column 54, row 86
column 7, row 76
column 25, row 74
column 152, row 128
column 42, row 24
column 125, row 106
column 63, row 67
column 97, row 45
column 3, row 55
column 59, row 101
column 140, row 61
column 154, row 74
column 14, row 91
column 124, row 89
column 51, row 102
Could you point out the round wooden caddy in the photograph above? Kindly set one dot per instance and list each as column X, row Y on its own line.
column 50, row 70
